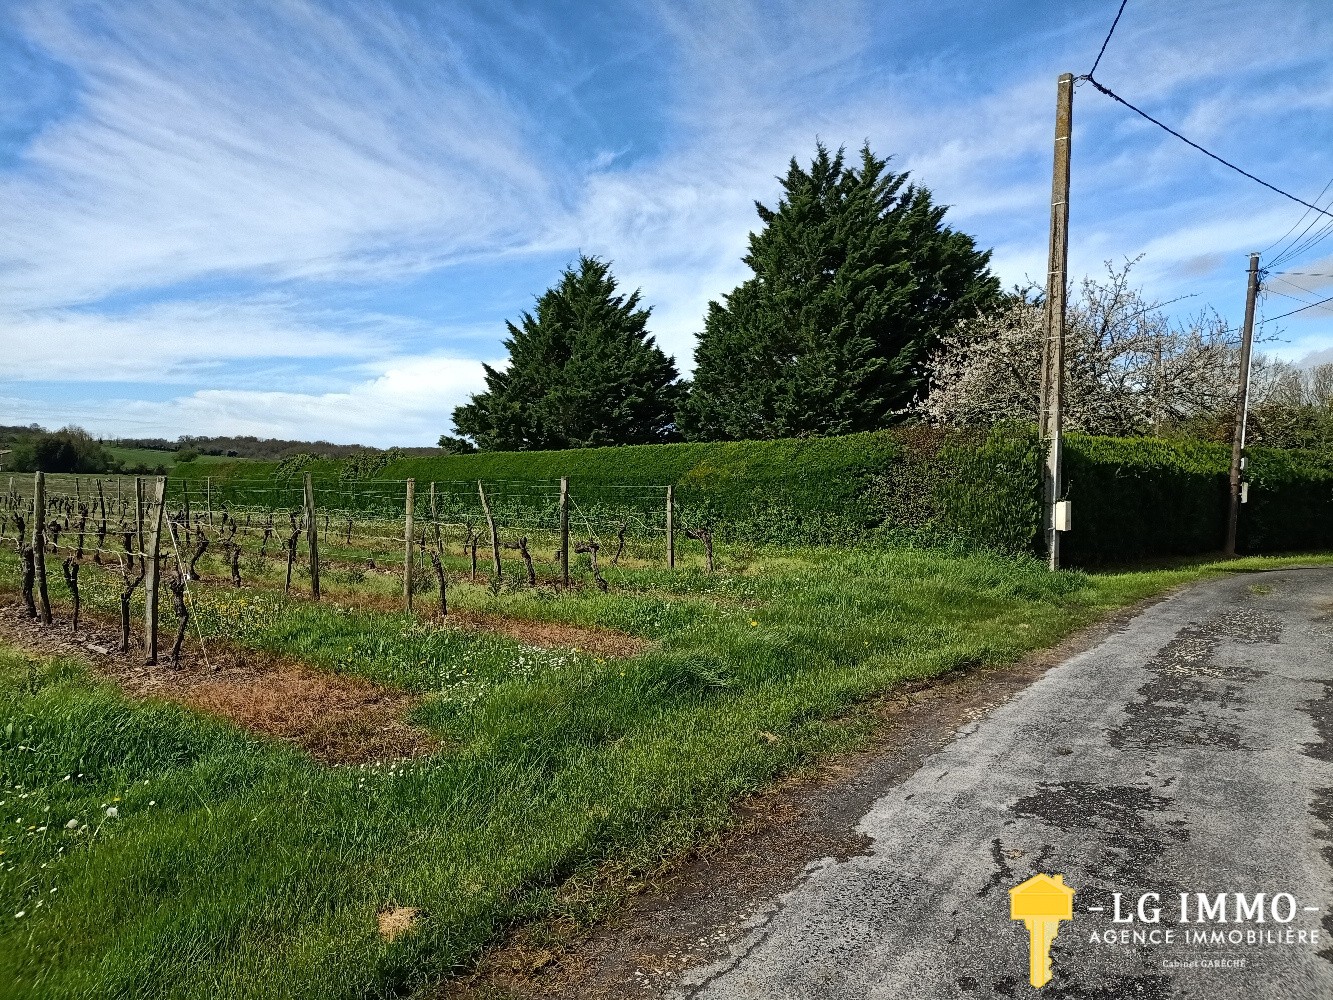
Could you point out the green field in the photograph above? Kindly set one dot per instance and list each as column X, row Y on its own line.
column 239, row 867
column 152, row 458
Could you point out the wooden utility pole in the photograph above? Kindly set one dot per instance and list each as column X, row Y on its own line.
column 312, row 536
column 39, row 543
column 495, row 536
column 152, row 570
column 671, row 527
column 407, row 544
column 564, row 532
column 1053, row 353
column 1242, row 408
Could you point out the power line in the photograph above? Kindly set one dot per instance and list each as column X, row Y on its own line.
column 1106, row 41
column 1286, row 295
column 1264, row 253
column 1316, row 292
column 1302, row 309
column 1304, row 243
column 1189, row 142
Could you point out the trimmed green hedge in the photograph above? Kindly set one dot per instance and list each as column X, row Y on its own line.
column 1132, row 498
column 1291, row 500
column 1139, row 497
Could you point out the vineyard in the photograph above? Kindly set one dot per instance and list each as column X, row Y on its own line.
column 316, row 749
column 362, row 543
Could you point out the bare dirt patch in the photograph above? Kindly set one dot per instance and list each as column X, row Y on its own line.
column 684, row 915
column 603, row 642
column 395, row 921
column 598, row 641
column 335, row 718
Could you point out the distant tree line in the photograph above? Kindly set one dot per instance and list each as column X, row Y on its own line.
column 245, row 446
column 70, row 449
column 32, row 447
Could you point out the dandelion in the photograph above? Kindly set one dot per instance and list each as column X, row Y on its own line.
column 112, row 812
column 753, row 623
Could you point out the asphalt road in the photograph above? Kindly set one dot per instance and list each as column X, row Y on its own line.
column 1190, row 753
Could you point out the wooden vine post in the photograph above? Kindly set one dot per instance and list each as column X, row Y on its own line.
column 312, row 536
column 138, row 511
column 564, row 532
column 152, row 571
column 101, row 524
column 495, row 538
column 39, row 543
column 407, row 544
column 208, row 500
column 671, row 527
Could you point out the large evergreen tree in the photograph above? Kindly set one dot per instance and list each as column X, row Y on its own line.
column 855, row 275
column 582, row 372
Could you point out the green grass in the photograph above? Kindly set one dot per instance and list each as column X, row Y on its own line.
column 152, row 458
column 240, row 868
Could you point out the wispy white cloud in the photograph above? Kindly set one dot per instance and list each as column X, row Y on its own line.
column 278, row 140
column 408, row 402
column 311, row 148
column 178, row 341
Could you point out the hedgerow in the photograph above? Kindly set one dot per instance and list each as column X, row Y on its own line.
column 1132, row 497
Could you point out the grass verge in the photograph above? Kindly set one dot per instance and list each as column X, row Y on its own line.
column 152, row 852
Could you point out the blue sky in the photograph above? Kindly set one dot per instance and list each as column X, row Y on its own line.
column 311, row 219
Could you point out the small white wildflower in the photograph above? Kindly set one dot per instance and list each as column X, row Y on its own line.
column 72, row 825
column 19, row 915
column 112, row 812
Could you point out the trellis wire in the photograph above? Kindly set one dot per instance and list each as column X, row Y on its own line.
column 353, row 519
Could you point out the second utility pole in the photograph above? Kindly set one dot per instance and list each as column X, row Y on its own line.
column 1053, row 354
column 1242, row 408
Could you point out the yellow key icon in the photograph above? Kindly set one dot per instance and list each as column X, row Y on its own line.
column 1041, row 903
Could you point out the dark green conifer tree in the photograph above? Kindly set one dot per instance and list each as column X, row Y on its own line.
column 855, row 274
column 583, row 371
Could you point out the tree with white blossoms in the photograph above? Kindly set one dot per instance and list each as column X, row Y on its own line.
column 1129, row 369
column 1290, row 406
